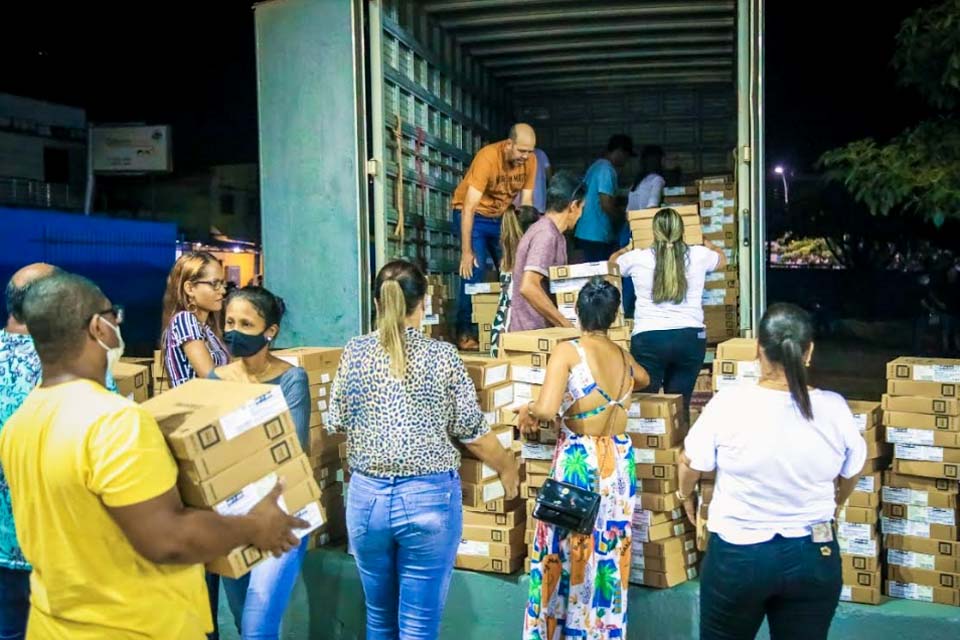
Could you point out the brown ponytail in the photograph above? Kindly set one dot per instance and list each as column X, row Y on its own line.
column 399, row 288
column 670, row 251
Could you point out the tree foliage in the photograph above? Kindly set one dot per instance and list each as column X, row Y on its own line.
column 918, row 172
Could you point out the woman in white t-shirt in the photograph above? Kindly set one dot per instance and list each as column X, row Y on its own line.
column 786, row 456
column 669, row 337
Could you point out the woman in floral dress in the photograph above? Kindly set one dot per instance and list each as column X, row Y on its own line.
column 578, row 583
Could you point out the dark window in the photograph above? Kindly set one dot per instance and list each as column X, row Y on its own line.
column 226, row 204
column 56, row 165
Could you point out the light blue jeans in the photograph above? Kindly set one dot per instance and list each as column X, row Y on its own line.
column 259, row 599
column 405, row 533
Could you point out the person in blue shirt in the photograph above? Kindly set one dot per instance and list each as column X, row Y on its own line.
column 596, row 233
column 20, row 372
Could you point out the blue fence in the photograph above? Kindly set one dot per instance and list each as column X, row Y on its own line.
column 128, row 259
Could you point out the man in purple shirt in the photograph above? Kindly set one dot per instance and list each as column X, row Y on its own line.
column 544, row 246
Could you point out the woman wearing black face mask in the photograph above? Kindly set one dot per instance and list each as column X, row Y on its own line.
column 253, row 316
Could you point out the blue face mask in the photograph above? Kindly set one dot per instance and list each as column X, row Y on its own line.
column 244, row 345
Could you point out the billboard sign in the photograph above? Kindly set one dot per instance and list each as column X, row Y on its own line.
column 131, row 149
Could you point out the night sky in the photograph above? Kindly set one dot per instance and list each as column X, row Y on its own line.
column 829, row 78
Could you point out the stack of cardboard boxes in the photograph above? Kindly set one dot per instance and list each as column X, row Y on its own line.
column 321, row 364
column 567, row 281
column 664, row 547
column 857, row 534
column 922, row 421
column 721, row 295
column 485, row 298
column 641, row 225
column 233, row 442
column 736, row 363
column 493, row 528
column 436, row 321
column 679, row 196
column 134, row 378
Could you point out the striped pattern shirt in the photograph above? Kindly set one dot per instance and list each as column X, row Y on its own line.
column 185, row 327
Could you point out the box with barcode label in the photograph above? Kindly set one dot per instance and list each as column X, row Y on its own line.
column 861, row 595
column 494, row 398
column 486, row 372
column 943, row 390
column 926, row 577
column 919, row 404
column 921, row 421
column 944, row 470
column 941, row 370
column 284, row 459
column 475, row 496
column 922, row 593
column 661, row 580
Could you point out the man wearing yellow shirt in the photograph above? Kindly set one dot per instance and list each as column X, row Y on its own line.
column 115, row 553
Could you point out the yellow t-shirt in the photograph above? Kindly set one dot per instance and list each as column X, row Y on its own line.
column 70, row 450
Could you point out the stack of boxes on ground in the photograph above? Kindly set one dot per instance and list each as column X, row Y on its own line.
column 664, row 550
column 493, row 528
column 922, row 420
column 721, row 295
column 485, row 298
column 435, row 317
column 857, row 530
column 233, row 442
column 566, row 282
column 324, row 452
column 736, row 363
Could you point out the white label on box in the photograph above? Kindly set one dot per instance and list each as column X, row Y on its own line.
column 491, row 417
column 529, row 375
column 573, row 284
column 322, row 392
column 506, row 438
column 860, row 419
column 909, row 436
column 846, row 593
column 254, row 413
column 312, row 514
column 866, row 484
column 321, row 405
column 932, row 515
column 903, row 527
column 689, row 545
column 537, row 451
column 897, row 495
column 481, row 288
column 130, row 396
column 858, row 546
column 647, row 426
column 911, row 559
column 855, row 530
column 588, row 269
column 522, row 391
column 641, row 534
column 936, row 373
column 638, row 561
column 325, row 378
column 495, row 375
column 473, row 548
column 503, row 397
column 918, row 452
column 247, row 498
column 325, row 417
column 692, row 558
column 644, row 456
column 493, row 491
column 910, row 591
column 487, row 472
column 430, row 321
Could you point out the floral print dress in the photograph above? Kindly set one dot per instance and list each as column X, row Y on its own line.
column 578, row 583
column 503, row 313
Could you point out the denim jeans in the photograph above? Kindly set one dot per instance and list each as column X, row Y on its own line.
column 405, row 533
column 595, row 251
column 485, row 241
column 14, row 603
column 259, row 599
column 794, row 582
column 213, row 593
column 673, row 358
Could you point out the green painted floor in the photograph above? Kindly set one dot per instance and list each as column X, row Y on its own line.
column 328, row 605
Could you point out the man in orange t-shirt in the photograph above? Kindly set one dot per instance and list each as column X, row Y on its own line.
column 497, row 174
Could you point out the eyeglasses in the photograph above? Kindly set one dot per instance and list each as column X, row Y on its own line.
column 216, row 284
column 117, row 311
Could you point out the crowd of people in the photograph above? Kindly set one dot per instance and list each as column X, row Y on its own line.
column 95, row 542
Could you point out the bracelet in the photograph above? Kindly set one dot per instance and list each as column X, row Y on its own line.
column 530, row 410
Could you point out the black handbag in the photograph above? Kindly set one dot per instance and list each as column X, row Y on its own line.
column 567, row 506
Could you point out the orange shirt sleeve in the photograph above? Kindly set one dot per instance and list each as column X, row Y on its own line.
column 531, row 167
column 482, row 170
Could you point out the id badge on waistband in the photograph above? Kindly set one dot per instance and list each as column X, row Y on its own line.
column 822, row 532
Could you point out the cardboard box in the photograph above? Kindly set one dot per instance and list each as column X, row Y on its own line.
column 659, row 580
column 673, row 438
column 645, row 485
column 679, row 545
column 898, row 488
column 942, row 370
column 311, row 358
column 861, row 595
column 918, row 404
column 661, row 531
column 673, row 563
column 647, row 518
column 486, row 372
column 498, row 506
column 481, row 288
column 504, row 566
column 202, row 415
column 657, row 471
column 878, row 449
column 924, row 453
column 923, row 389
column 738, row 349
column 916, row 528
column 490, row 549
column 728, row 373
column 921, row 421
column 927, row 437
column 495, row 397
column 869, row 579
column 474, row 471
column 133, row 381
column 927, row 577
column 513, row 518
column 876, row 464
column 863, row 500
column 946, row 549
column 643, row 238
column 500, row 535
column 283, row 460
column 918, row 560
column 932, row 515
column 922, row 593
column 535, row 360
column 322, row 441
column 866, row 414
column 856, row 563
column 475, row 496
column 943, row 470
column 326, row 476
column 538, row 341
column 650, row 213
column 584, row 270
column 657, row 456
column 207, row 465
column 859, row 515
column 523, row 373
column 653, row 405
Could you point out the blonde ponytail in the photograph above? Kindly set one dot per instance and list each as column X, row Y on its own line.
column 391, row 322
column 670, row 251
column 510, row 234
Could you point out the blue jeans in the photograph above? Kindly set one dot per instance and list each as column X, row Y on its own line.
column 213, row 593
column 672, row 357
column 259, row 599
column 794, row 582
column 405, row 533
column 14, row 603
column 485, row 242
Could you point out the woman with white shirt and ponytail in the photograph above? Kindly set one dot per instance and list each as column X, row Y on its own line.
column 786, row 457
